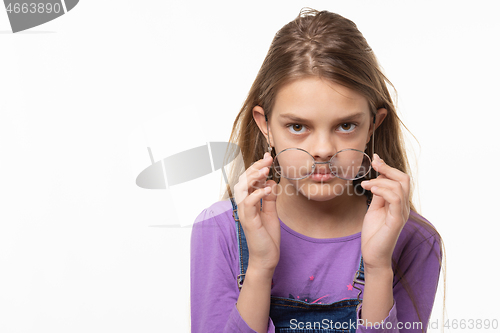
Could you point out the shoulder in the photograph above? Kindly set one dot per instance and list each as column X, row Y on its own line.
column 215, row 211
column 418, row 236
column 214, row 246
column 215, row 222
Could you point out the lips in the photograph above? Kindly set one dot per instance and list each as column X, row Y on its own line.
column 321, row 177
column 321, row 172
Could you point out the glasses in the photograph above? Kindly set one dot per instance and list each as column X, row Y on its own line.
column 297, row 163
column 347, row 164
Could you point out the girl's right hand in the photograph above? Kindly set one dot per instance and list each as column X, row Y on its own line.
column 261, row 227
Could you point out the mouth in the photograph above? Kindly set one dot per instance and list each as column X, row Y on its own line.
column 322, row 171
column 322, row 176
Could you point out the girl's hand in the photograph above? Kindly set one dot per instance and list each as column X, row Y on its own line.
column 262, row 228
column 387, row 215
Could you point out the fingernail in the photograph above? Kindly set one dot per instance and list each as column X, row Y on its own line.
column 263, row 170
column 377, row 160
column 266, row 154
column 365, row 182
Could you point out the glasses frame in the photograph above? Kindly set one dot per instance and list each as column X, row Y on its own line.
column 330, row 160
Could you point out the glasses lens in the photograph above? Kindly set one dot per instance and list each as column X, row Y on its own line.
column 350, row 164
column 293, row 163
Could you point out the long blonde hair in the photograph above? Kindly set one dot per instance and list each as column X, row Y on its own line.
column 326, row 45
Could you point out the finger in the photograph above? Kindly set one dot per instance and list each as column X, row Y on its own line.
column 251, row 206
column 382, row 179
column 269, row 214
column 269, row 200
column 253, row 179
column 399, row 192
column 259, row 165
column 392, row 173
column 267, row 160
column 395, row 186
column 395, row 204
column 261, row 178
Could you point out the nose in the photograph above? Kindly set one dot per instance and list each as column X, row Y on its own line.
column 323, row 148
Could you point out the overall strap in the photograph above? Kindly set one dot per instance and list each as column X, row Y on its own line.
column 359, row 276
column 242, row 247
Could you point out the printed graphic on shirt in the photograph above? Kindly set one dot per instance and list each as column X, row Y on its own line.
column 307, row 296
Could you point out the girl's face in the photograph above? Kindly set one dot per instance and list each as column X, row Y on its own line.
column 321, row 117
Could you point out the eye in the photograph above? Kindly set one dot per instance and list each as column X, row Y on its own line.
column 295, row 128
column 347, row 127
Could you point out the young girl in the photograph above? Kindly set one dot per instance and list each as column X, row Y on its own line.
column 317, row 232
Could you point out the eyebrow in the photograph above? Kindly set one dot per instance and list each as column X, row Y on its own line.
column 350, row 117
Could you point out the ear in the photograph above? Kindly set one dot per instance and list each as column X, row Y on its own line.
column 381, row 114
column 260, row 119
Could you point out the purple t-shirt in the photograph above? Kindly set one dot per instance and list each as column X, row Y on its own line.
column 310, row 269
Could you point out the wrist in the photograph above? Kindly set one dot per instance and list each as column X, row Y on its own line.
column 379, row 271
column 258, row 273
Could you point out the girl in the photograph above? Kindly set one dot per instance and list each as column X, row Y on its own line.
column 319, row 233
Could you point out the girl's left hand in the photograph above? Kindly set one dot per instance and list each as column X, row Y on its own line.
column 389, row 210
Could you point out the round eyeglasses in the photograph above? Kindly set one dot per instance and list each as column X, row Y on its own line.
column 347, row 164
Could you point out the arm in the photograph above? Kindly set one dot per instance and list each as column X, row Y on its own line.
column 256, row 290
column 377, row 295
column 421, row 268
column 383, row 225
column 256, row 202
column 214, row 265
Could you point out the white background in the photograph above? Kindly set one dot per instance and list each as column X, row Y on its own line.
column 83, row 248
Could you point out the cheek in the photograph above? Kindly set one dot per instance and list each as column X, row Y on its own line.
column 361, row 138
column 354, row 142
column 280, row 139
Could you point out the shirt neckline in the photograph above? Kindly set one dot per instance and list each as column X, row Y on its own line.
column 318, row 240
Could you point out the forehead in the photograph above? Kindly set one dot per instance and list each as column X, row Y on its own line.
column 314, row 97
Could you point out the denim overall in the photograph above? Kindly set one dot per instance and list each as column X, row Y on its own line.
column 287, row 313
